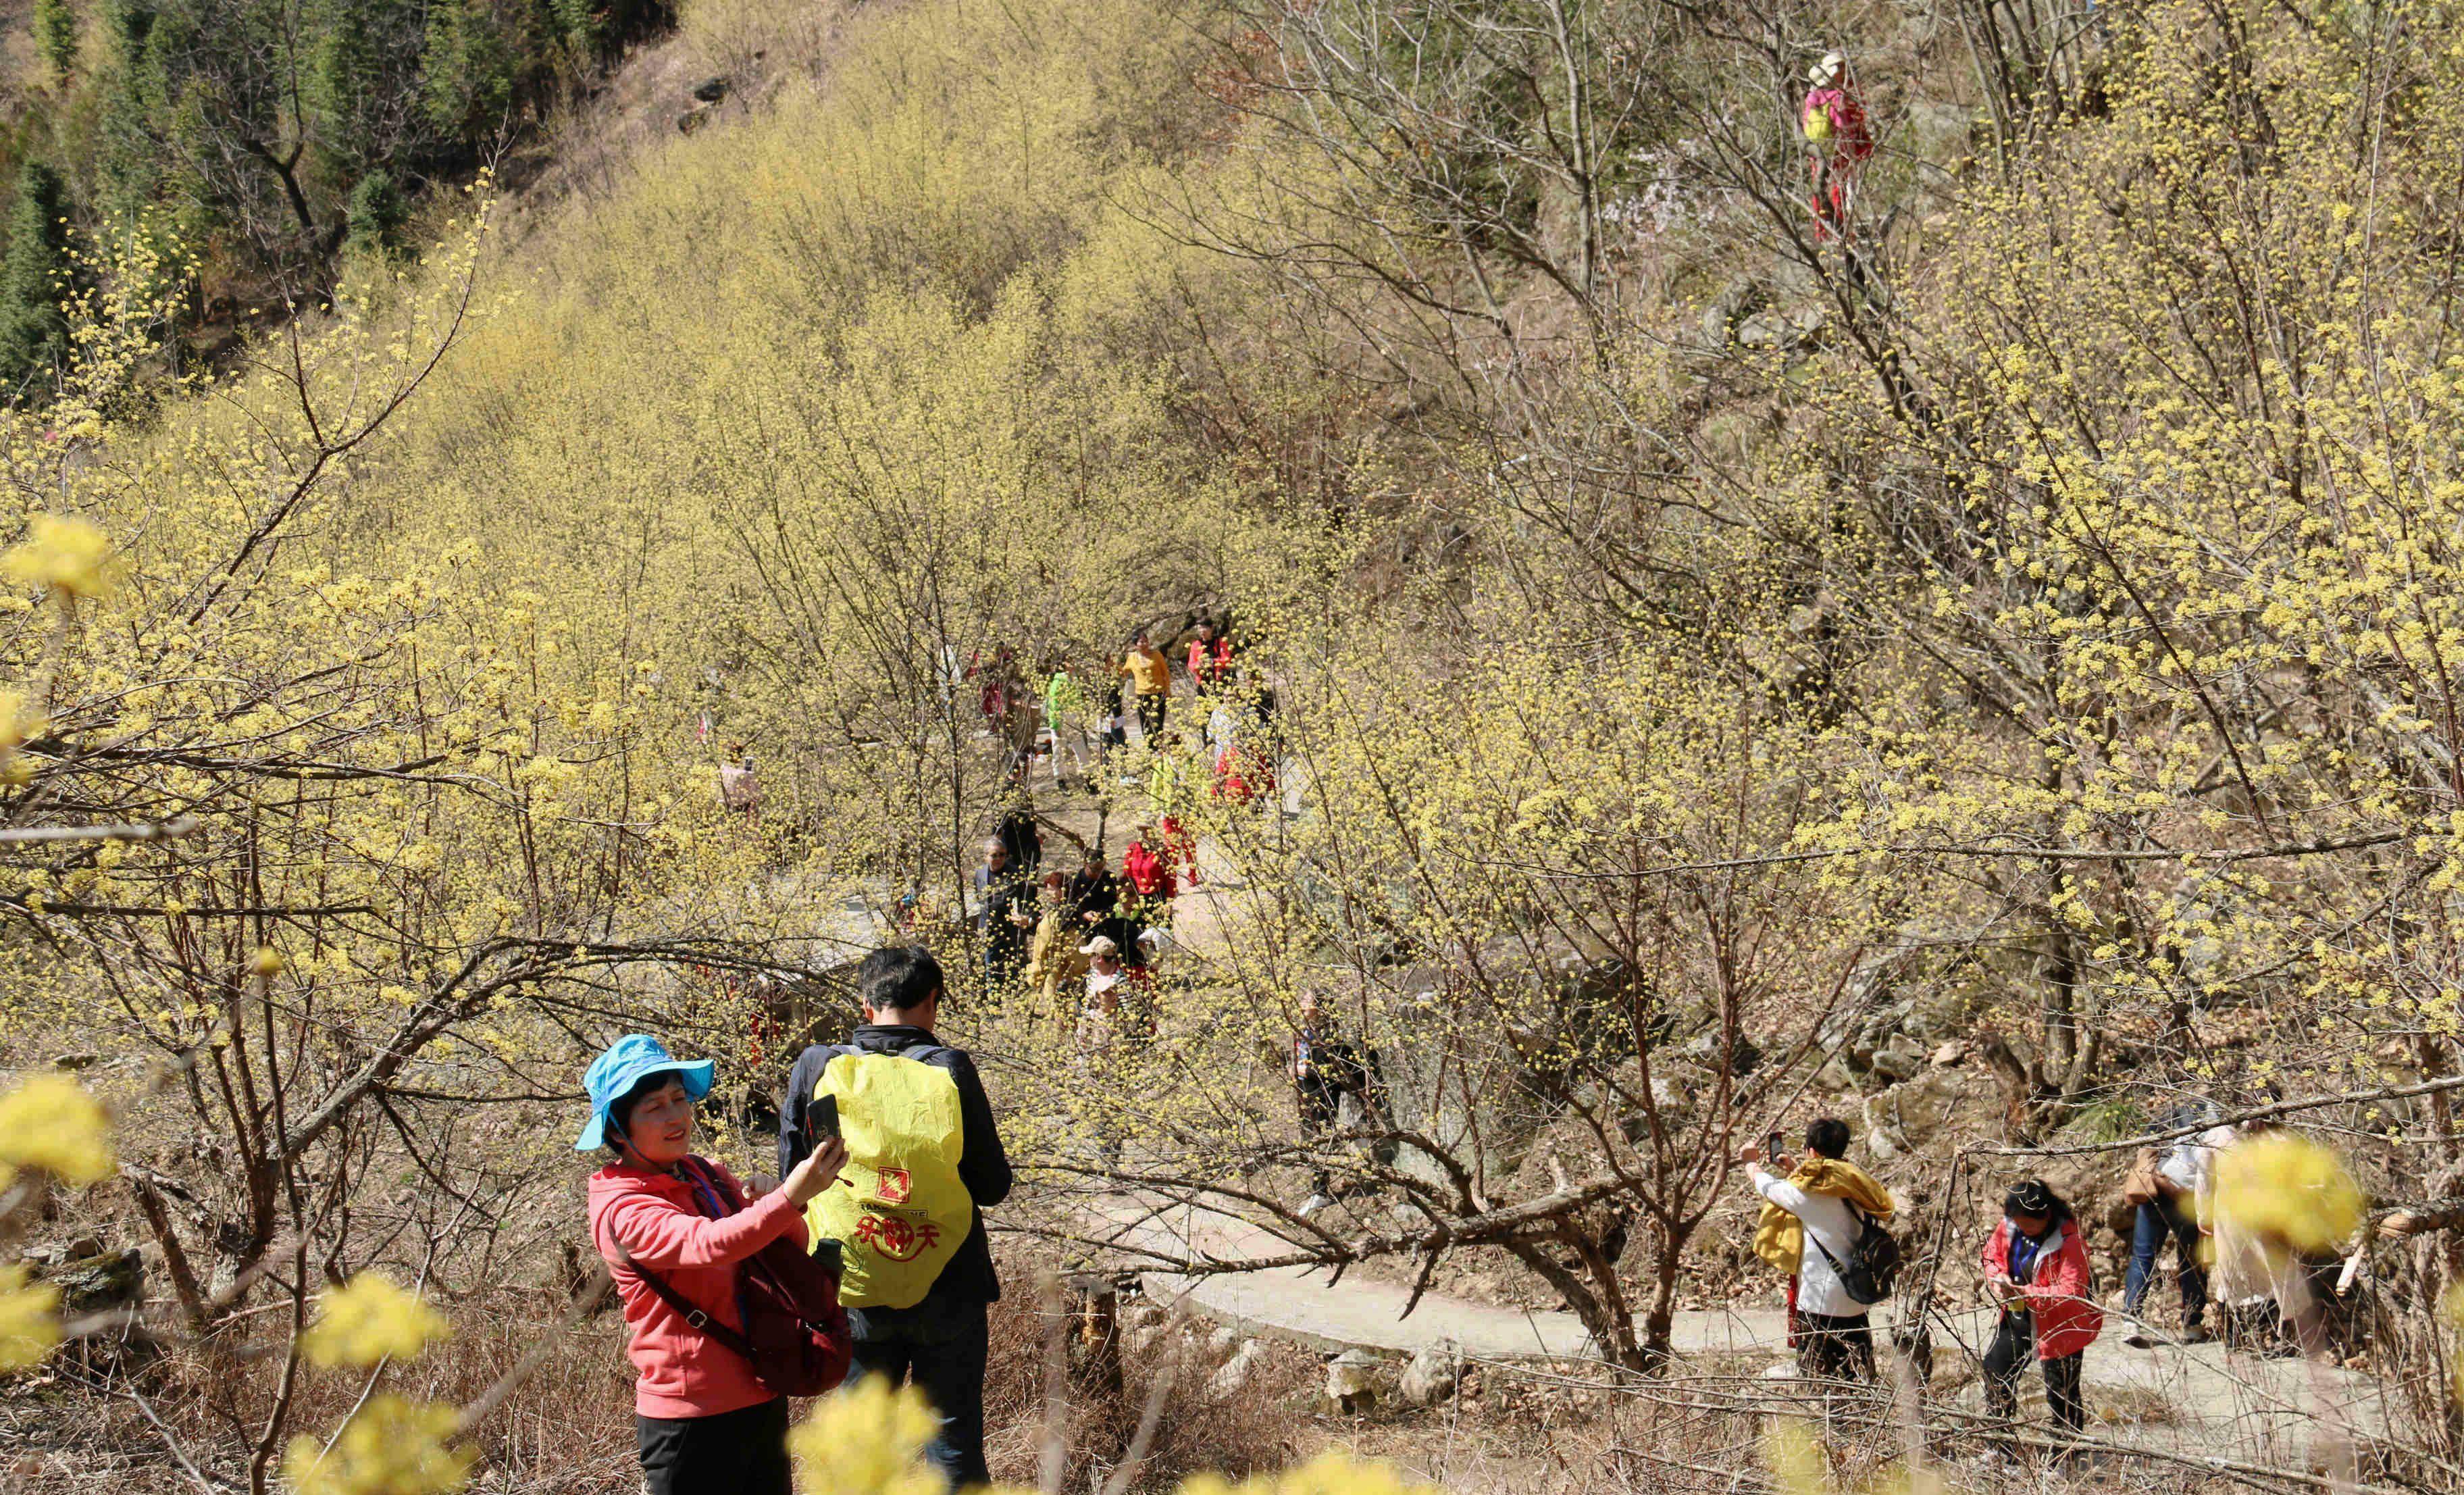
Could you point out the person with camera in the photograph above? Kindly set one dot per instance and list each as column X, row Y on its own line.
column 1815, row 1214
column 680, row 1235
column 926, row 1159
column 2037, row 1271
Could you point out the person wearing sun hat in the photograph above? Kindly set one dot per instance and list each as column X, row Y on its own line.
column 702, row 1419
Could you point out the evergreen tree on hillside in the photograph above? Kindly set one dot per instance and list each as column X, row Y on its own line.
column 376, row 216
column 55, row 38
column 33, row 332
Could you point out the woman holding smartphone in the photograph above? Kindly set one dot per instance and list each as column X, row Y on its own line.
column 703, row 1421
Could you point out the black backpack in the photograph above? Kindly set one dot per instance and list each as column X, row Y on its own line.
column 1873, row 1266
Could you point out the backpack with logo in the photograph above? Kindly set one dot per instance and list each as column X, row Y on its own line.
column 899, row 1210
column 1873, row 1266
column 795, row 1335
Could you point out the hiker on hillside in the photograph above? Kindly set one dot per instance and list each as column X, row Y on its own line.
column 1095, row 905
column 1168, row 784
column 1833, row 120
column 1004, row 916
column 1064, row 719
column 2170, row 1188
column 919, row 1268
column 1809, row 1228
column 1119, row 998
column 1210, row 657
column 1325, row 1070
column 1145, row 866
column 1053, row 960
column 1149, row 672
column 702, row 1419
column 1108, row 685
column 739, row 790
column 2036, row 1267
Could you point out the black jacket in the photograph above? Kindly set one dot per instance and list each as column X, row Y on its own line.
column 982, row 1166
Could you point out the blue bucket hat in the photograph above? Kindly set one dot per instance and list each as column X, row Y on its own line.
column 614, row 1074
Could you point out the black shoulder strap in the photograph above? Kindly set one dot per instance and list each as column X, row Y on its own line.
column 1854, row 1213
column 696, row 1317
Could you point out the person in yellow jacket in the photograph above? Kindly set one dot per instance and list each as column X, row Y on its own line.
column 1808, row 1229
column 924, row 1157
column 1053, row 962
column 1149, row 672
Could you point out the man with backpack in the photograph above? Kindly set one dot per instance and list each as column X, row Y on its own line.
column 924, row 1157
column 1821, row 1224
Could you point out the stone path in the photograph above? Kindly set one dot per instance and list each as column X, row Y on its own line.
column 2185, row 1401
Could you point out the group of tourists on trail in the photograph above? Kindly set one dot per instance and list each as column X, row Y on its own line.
column 1825, row 1227
column 1077, row 713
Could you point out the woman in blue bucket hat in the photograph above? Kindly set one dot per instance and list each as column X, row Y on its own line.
column 703, row 1421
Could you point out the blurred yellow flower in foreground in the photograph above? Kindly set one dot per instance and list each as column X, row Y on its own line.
column 51, row 1123
column 65, row 553
column 367, row 1319
column 2287, row 1193
column 29, row 1319
column 1331, row 1473
column 391, row 1447
column 866, row 1439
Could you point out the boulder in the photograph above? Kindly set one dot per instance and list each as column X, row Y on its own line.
column 97, row 1282
column 1232, row 1377
column 1899, row 1058
column 711, row 90
column 1348, row 1381
column 1737, row 301
column 1429, row 1379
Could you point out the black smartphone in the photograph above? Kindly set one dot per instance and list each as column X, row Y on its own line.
column 821, row 1119
column 1771, row 1146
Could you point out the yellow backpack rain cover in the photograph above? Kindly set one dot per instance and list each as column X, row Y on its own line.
column 898, row 1208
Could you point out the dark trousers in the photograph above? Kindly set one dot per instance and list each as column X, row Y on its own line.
column 1151, row 708
column 1834, row 1347
column 2015, row 1344
column 2161, row 1219
column 1320, row 1104
column 741, row 1453
column 939, row 1348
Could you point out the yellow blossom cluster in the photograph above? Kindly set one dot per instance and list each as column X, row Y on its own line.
column 65, row 552
column 369, row 1319
column 2289, row 1193
column 51, row 1123
column 391, row 1446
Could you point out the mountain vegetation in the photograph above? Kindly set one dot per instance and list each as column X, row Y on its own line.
column 1714, row 644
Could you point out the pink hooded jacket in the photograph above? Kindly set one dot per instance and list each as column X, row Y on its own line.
column 681, row 1372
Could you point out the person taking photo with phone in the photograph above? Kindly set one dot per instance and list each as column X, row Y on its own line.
column 1808, row 1229
column 924, row 1157
column 676, row 1230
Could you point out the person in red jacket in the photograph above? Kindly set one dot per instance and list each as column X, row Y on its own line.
column 702, row 1421
column 1145, row 866
column 1833, row 120
column 2035, row 1264
column 1210, row 657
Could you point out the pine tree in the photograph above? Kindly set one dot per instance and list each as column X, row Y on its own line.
column 55, row 36
column 33, row 331
column 376, row 216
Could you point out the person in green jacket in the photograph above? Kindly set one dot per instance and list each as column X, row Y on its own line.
column 1065, row 716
